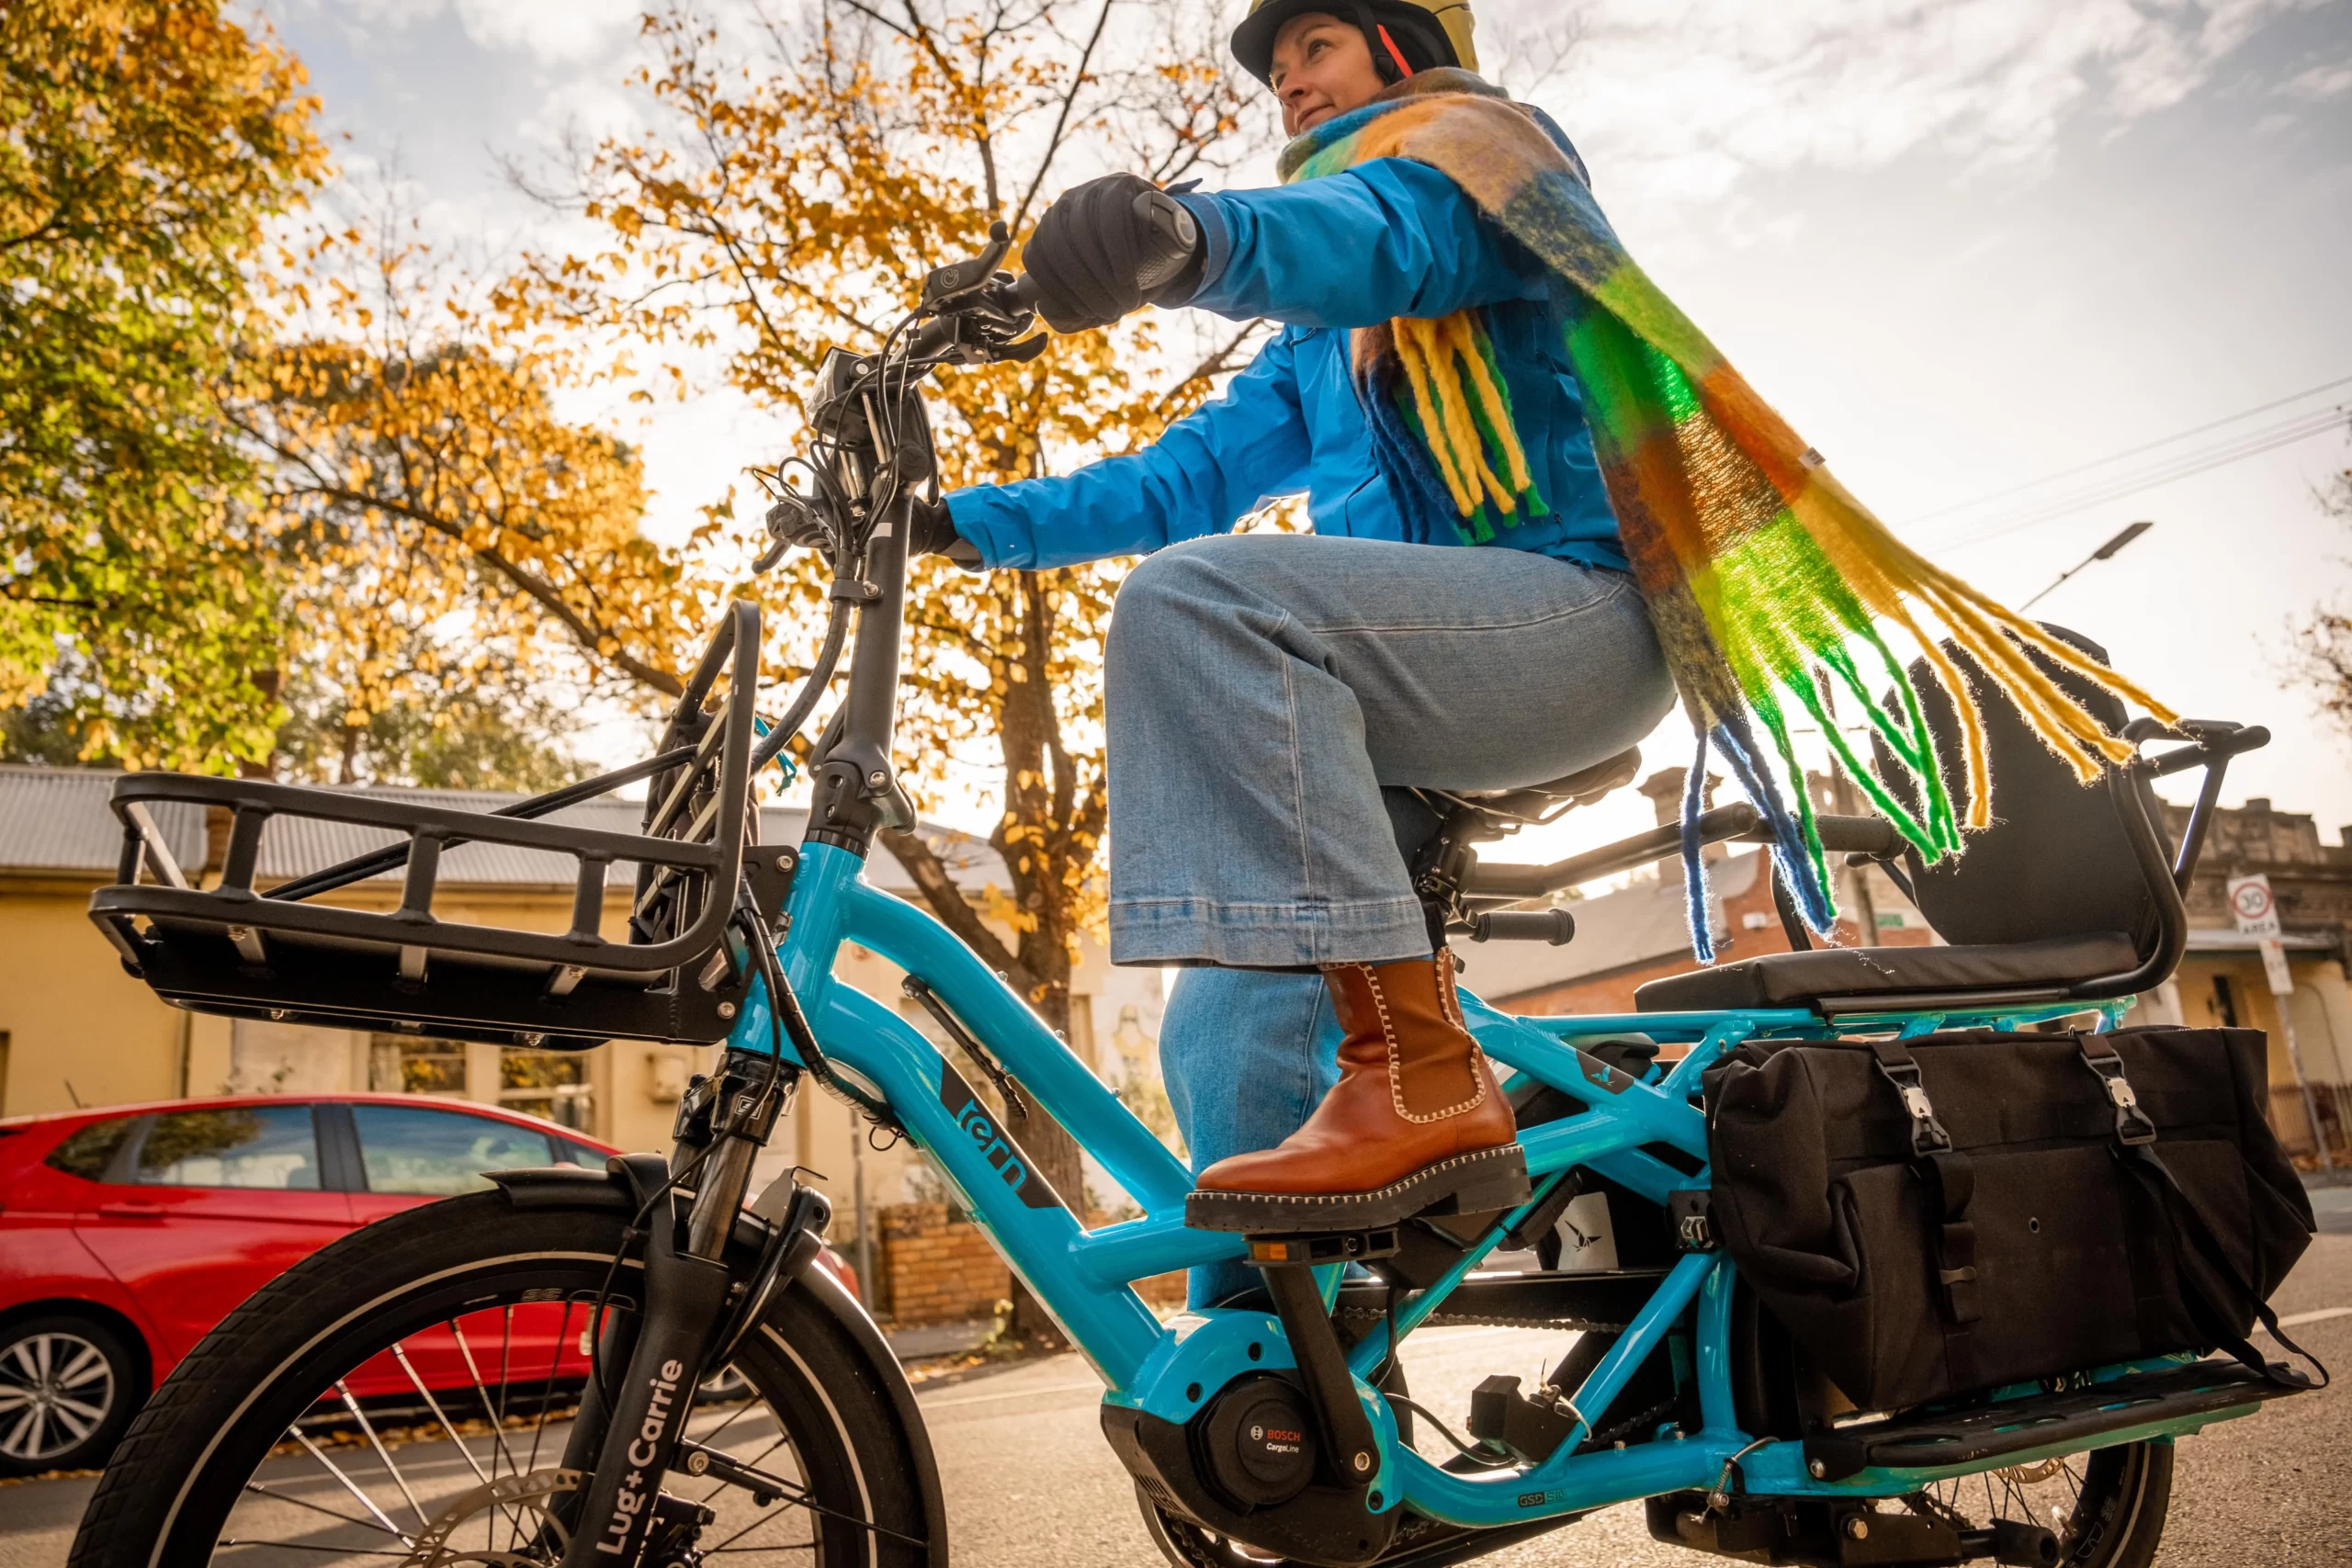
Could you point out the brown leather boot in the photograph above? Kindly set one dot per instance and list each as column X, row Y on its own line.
column 1415, row 1122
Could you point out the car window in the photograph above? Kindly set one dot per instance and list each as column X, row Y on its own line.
column 250, row 1145
column 587, row 1158
column 435, row 1152
column 87, row 1151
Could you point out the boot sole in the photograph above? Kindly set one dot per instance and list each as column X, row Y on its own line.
column 1481, row 1182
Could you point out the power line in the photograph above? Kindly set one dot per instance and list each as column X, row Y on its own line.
column 2248, row 444
column 2113, row 458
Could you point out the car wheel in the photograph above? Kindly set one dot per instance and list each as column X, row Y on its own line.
column 68, row 1387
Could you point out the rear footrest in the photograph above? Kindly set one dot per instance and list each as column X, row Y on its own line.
column 1922, row 1440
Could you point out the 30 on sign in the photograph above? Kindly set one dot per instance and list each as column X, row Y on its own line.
column 2252, row 904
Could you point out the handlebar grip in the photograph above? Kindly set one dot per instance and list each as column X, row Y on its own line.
column 1871, row 836
column 1175, row 236
column 1555, row 926
column 1024, row 289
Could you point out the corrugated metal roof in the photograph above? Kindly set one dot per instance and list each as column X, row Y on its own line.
column 59, row 819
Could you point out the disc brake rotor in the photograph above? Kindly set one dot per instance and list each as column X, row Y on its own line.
column 2030, row 1474
column 530, row 1491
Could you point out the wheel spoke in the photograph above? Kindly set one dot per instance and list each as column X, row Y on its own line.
column 21, row 1441
column 497, row 1431
column 546, row 1388
column 90, row 1366
column 381, row 1453
column 77, row 1418
column 232, row 1542
column 378, row 1523
column 400, row 1354
column 349, row 1485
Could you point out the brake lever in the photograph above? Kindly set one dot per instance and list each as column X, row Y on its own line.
column 945, row 285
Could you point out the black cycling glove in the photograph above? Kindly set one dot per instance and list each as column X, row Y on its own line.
column 1108, row 247
column 930, row 530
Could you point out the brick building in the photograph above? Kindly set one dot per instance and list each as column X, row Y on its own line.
column 1640, row 932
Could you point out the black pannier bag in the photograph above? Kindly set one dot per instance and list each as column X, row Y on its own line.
column 1935, row 1216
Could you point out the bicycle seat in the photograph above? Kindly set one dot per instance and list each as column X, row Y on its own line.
column 1581, row 788
column 2068, row 893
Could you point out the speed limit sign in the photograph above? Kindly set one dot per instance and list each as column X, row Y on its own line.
column 2253, row 905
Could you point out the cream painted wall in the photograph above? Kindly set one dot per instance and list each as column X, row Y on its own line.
column 78, row 1027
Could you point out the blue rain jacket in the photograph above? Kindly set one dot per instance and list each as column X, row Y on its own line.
column 1388, row 238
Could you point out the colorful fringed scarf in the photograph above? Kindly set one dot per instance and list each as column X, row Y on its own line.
column 1766, row 580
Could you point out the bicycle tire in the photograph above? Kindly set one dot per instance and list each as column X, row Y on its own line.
column 184, row 1466
column 2107, row 1506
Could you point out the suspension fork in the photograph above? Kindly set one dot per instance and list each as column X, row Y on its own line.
column 630, row 1440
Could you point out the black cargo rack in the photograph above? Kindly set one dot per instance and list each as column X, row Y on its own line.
column 270, row 953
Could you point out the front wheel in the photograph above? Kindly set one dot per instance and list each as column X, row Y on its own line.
column 406, row 1395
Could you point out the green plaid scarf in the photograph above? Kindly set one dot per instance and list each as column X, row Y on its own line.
column 1767, row 582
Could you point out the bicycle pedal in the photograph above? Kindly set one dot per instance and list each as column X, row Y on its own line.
column 1482, row 1182
column 1328, row 1246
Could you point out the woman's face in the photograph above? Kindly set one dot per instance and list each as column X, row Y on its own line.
column 1322, row 67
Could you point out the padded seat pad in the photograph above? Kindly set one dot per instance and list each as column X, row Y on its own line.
column 1796, row 979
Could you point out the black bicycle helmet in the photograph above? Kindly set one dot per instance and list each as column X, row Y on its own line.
column 1407, row 36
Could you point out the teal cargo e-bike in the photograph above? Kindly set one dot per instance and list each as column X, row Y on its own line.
column 589, row 1314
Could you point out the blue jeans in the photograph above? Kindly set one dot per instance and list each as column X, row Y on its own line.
column 1261, row 692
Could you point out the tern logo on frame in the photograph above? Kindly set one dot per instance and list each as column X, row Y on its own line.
column 977, row 1122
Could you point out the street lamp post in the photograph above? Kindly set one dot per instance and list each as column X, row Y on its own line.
column 2107, row 551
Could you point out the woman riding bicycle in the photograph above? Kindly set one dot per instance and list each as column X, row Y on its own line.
column 1272, row 700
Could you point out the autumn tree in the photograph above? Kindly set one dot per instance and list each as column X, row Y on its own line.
column 2323, row 642
column 149, row 146
column 450, row 544
column 792, row 184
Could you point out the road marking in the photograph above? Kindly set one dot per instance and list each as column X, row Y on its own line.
column 1014, row 1393
column 2297, row 1319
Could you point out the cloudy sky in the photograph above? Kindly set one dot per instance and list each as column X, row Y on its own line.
column 1973, row 248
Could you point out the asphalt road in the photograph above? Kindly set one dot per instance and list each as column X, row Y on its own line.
column 1029, row 1480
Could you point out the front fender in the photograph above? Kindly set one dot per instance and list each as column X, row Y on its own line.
column 559, row 1187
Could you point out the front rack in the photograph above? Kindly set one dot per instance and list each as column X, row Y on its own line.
column 272, row 953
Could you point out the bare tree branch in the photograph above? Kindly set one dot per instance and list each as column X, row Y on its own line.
column 1020, row 219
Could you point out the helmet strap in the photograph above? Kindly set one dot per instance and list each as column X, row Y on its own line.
column 1403, row 67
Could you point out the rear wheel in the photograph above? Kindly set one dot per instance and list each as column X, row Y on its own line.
column 2106, row 1507
column 406, row 1395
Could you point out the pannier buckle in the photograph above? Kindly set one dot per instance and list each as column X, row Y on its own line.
column 2133, row 1125
column 1928, row 1134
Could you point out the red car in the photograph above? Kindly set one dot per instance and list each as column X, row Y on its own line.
column 125, row 1233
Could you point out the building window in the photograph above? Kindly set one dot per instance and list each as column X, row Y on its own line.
column 400, row 1064
column 2225, row 1002
column 553, row 1084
